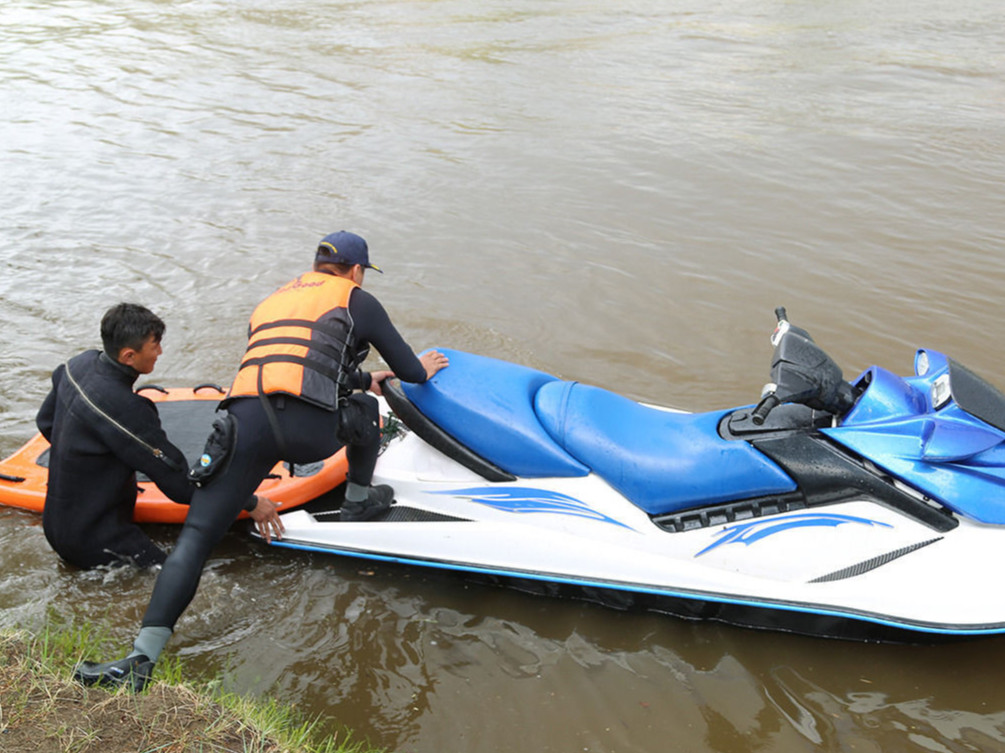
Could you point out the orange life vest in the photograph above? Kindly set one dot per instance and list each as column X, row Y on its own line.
column 301, row 342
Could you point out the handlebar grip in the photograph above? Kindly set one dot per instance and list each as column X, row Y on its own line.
column 780, row 314
column 768, row 403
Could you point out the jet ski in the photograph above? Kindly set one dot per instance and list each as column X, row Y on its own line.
column 872, row 509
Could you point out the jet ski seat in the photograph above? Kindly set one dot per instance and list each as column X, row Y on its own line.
column 656, row 458
column 487, row 405
column 533, row 425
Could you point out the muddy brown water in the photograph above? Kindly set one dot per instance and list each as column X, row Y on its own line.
column 618, row 193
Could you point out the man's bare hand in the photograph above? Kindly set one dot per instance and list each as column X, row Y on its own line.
column 377, row 380
column 433, row 361
column 266, row 517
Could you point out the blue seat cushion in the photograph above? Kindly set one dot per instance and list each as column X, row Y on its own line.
column 660, row 460
column 488, row 406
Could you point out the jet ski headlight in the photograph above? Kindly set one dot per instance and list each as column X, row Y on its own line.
column 941, row 392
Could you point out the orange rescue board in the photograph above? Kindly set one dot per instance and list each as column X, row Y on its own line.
column 187, row 416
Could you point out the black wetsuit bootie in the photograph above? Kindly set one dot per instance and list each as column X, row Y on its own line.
column 378, row 500
column 134, row 672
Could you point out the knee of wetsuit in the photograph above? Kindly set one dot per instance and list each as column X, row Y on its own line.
column 359, row 420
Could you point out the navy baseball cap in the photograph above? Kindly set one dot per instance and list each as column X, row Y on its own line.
column 344, row 247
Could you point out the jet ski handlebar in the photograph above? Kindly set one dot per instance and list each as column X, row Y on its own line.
column 768, row 403
column 801, row 372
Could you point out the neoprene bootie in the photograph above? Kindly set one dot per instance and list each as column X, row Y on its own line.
column 378, row 500
column 134, row 672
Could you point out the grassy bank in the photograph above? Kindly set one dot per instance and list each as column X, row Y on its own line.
column 42, row 710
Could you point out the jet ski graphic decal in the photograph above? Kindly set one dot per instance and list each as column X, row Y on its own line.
column 748, row 533
column 530, row 500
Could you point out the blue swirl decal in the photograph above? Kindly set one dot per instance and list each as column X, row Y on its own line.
column 748, row 533
column 527, row 500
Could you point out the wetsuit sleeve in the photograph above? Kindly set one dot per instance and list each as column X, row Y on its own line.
column 372, row 324
column 143, row 421
column 174, row 483
column 46, row 415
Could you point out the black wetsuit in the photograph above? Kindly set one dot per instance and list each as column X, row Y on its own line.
column 309, row 434
column 99, row 442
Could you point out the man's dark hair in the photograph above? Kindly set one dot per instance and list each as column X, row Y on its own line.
column 342, row 269
column 129, row 325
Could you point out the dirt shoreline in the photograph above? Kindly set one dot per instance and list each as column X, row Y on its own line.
column 42, row 710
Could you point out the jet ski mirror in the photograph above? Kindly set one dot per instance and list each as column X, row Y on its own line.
column 801, row 372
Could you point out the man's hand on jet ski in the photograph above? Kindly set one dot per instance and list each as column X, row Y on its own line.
column 433, row 361
column 377, row 381
column 266, row 517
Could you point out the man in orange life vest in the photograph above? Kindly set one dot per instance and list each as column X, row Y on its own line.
column 293, row 394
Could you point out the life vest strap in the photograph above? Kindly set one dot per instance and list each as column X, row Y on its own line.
column 307, row 363
column 305, row 323
column 324, row 349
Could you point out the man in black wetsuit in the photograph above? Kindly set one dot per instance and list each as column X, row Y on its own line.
column 294, row 396
column 101, row 434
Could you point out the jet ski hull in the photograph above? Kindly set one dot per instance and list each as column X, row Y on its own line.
column 857, row 569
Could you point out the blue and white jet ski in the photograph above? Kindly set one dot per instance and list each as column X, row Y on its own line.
column 873, row 509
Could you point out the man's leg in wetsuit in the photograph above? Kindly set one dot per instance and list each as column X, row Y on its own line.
column 127, row 545
column 134, row 547
column 310, row 436
column 214, row 508
column 363, row 502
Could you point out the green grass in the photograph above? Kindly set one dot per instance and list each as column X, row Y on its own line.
column 43, row 707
